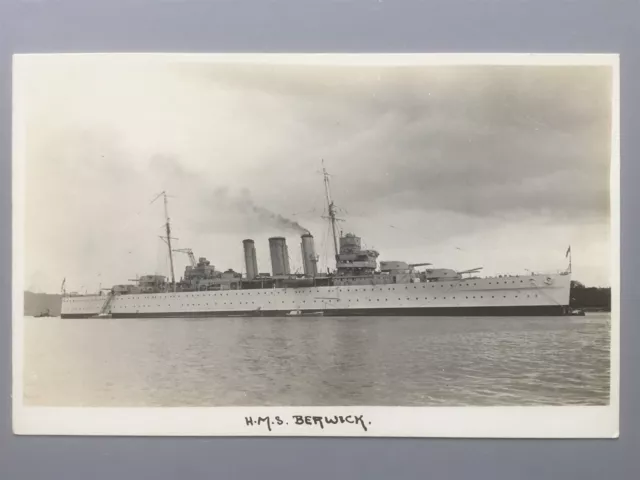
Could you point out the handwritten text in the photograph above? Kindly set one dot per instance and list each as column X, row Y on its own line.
column 309, row 420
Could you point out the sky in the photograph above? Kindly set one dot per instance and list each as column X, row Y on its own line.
column 500, row 167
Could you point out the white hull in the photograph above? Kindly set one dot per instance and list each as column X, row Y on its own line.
column 514, row 295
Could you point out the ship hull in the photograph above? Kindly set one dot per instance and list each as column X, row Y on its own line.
column 540, row 295
column 506, row 311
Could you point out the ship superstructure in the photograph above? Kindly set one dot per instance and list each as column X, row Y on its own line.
column 359, row 285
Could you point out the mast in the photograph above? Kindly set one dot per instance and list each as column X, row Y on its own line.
column 331, row 208
column 167, row 239
column 168, row 228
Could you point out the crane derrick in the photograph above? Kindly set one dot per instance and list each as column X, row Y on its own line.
column 189, row 252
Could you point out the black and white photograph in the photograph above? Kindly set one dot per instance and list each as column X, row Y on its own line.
column 316, row 245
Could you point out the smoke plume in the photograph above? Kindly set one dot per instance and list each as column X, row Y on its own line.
column 245, row 204
column 168, row 168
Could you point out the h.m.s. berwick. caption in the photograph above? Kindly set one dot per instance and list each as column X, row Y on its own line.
column 309, row 420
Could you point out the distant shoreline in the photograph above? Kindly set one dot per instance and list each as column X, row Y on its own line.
column 39, row 303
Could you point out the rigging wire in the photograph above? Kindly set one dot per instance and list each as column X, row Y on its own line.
column 113, row 255
column 141, row 243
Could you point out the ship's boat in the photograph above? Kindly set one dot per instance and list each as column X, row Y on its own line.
column 300, row 313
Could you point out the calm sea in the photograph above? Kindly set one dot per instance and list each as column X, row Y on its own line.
column 317, row 361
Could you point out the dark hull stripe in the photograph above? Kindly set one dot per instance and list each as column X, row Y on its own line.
column 510, row 311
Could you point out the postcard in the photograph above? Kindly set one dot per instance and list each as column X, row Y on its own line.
column 359, row 245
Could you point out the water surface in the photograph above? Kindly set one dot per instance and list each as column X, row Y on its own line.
column 413, row 361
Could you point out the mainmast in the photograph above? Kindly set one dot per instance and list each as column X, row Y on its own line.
column 332, row 209
column 167, row 239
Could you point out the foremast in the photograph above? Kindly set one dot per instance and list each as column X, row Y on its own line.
column 168, row 238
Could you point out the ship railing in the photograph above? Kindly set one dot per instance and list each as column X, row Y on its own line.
column 75, row 294
column 527, row 274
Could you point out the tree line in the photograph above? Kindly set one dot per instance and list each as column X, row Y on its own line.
column 590, row 298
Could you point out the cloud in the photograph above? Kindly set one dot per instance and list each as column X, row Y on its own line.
column 440, row 152
column 480, row 141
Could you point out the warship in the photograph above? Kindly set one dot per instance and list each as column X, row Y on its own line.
column 359, row 285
